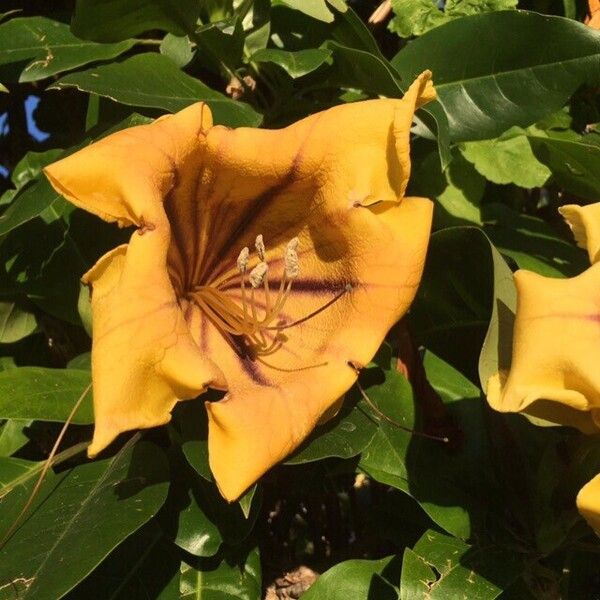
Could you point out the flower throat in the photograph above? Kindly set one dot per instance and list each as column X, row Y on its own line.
column 235, row 320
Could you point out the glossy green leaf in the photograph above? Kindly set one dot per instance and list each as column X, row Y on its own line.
column 191, row 423
column 114, row 20
column 179, row 49
column 573, row 162
column 359, row 580
column 39, row 47
column 13, row 471
column 532, row 243
column 346, row 435
column 480, row 573
column 144, row 566
column 457, row 191
column 448, row 479
column 44, row 394
column 416, row 578
column 507, row 159
column 514, row 77
column 27, row 205
column 12, row 436
column 30, row 166
column 39, row 196
column 496, row 352
column 385, row 456
column 78, row 517
column 153, row 80
column 451, row 312
column 15, row 323
column 296, row 64
column 317, row 9
column 233, row 578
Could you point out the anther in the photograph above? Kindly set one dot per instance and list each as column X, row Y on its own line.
column 257, row 275
column 260, row 247
column 242, row 261
column 292, row 267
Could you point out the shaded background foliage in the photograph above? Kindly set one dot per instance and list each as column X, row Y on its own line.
column 380, row 512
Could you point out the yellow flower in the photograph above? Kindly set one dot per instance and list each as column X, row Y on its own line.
column 263, row 262
column 554, row 372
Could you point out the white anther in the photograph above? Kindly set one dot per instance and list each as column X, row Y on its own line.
column 242, row 261
column 292, row 267
column 260, row 247
column 257, row 275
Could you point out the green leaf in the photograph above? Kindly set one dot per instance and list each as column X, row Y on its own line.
column 417, row 575
column 415, row 17
column 418, row 17
column 496, row 351
column 15, row 323
column 39, row 47
column 507, row 159
column 359, row 580
column 28, row 205
column 532, row 243
column 38, row 197
column 385, row 456
column 513, row 78
column 13, row 471
column 454, row 482
column 42, row 394
column 31, row 165
column 234, row 578
column 12, row 437
column 178, row 49
column 346, row 435
column 114, row 20
column 144, row 566
column 154, row 81
column 478, row 573
column 220, row 45
column 573, row 162
column 296, row 64
column 451, row 311
column 78, row 517
column 458, row 190
column 317, row 9
column 191, row 423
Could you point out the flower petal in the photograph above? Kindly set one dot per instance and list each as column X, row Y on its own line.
column 584, row 221
column 119, row 177
column 556, row 351
column 588, row 503
column 143, row 356
column 274, row 403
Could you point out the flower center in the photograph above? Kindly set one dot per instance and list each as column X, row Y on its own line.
column 235, row 320
column 257, row 321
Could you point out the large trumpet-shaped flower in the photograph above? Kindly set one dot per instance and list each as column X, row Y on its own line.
column 555, row 372
column 264, row 261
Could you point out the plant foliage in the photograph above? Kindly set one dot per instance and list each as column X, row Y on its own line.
column 381, row 512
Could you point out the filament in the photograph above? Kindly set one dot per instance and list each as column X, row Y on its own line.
column 248, row 320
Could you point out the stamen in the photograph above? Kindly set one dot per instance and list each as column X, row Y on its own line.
column 258, row 274
column 235, row 320
column 242, row 261
column 260, row 247
column 292, row 266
